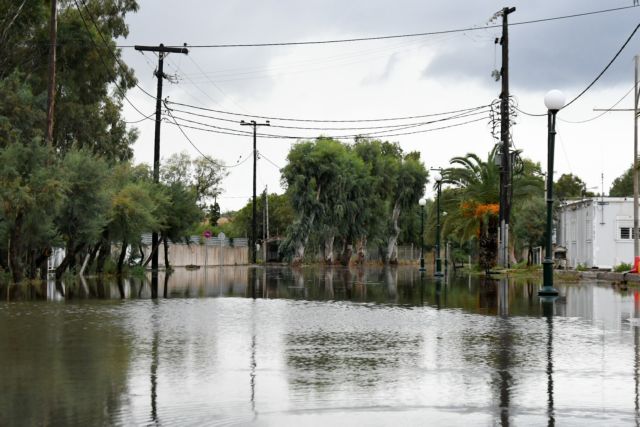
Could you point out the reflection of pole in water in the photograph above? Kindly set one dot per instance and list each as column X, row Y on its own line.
column 422, row 288
column 154, row 377
column 636, row 360
column 253, row 363
column 547, row 312
column 154, row 284
column 503, row 297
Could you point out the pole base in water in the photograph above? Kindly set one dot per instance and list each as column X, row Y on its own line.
column 548, row 291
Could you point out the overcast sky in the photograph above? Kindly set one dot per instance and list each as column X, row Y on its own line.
column 386, row 78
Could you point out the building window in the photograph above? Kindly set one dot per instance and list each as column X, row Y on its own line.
column 626, row 233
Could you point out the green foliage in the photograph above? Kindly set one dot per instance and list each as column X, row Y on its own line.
column 622, row 186
column 570, row 186
column 622, row 267
column 581, row 267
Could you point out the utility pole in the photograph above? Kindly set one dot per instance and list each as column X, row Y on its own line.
column 266, row 202
column 162, row 52
column 255, row 156
column 51, row 91
column 636, row 221
column 505, row 164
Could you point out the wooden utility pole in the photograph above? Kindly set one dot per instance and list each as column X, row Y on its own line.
column 162, row 52
column 636, row 221
column 254, row 234
column 505, row 163
column 51, row 90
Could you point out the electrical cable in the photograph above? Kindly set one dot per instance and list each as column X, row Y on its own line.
column 214, row 162
column 349, row 137
column 95, row 45
column 329, row 121
column 608, row 110
column 95, row 24
column 262, row 156
column 397, row 36
column 363, row 134
column 142, row 119
column 594, row 80
column 480, row 110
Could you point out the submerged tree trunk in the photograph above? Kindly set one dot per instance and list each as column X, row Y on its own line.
column 361, row 250
column 123, row 254
column 104, row 251
column 347, row 251
column 153, row 249
column 69, row 259
column 15, row 263
column 391, row 257
column 165, row 243
column 328, row 249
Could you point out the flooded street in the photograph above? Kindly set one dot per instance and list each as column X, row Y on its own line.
column 276, row 346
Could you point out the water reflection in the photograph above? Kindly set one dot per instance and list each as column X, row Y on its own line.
column 344, row 346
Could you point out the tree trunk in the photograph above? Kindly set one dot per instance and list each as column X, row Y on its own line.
column 68, row 260
column 15, row 264
column 123, row 254
column 328, row 249
column 361, row 249
column 347, row 251
column 167, row 266
column 391, row 257
column 104, row 251
column 153, row 249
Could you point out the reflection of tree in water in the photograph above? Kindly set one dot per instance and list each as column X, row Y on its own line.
column 323, row 360
column 63, row 367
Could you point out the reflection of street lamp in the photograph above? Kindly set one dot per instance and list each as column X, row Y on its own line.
column 422, row 202
column 438, row 178
column 554, row 101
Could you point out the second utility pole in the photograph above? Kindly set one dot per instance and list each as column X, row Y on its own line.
column 255, row 158
column 505, row 161
column 162, row 51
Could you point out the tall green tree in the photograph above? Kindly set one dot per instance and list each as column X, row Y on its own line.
column 622, row 186
column 570, row 186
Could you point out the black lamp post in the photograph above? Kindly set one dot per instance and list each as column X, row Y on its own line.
column 422, row 203
column 554, row 100
column 438, row 178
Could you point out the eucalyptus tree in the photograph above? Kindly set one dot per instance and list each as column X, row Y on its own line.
column 84, row 212
column 409, row 177
column 622, row 186
column 313, row 177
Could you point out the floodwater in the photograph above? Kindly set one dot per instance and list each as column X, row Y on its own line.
column 276, row 346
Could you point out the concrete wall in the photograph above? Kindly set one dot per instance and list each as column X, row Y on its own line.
column 202, row 255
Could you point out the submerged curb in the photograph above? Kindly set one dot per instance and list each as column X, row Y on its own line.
column 605, row 275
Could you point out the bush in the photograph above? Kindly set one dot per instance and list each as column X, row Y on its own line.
column 581, row 267
column 622, row 267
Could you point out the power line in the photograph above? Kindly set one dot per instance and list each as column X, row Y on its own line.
column 594, row 80
column 142, row 119
column 330, row 120
column 362, row 134
column 479, row 110
column 397, row 36
column 217, row 163
column 95, row 45
column 605, row 68
column 608, row 110
column 262, row 156
column 95, row 24
column 345, row 137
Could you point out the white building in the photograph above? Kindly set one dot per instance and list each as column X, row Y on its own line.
column 596, row 232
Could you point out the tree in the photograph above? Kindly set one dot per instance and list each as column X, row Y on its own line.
column 83, row 214
column 570, row 186
column 530, row 224
column 622, row 186
column 28, row 181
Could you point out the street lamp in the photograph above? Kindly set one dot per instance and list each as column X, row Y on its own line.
column 422, row 203
column 438, row 178
column 554, row 100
